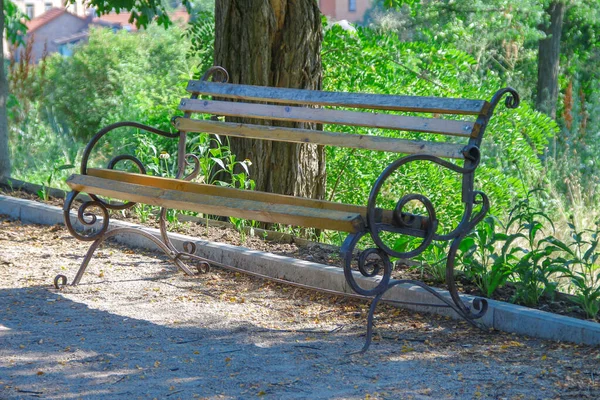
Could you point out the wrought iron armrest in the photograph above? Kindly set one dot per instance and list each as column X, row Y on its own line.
column 425, row 227
column 101, row 233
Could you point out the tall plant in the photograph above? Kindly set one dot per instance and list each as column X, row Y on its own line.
column 534, row 262
column 13, row 28
column 483, row 256
column 582, row 258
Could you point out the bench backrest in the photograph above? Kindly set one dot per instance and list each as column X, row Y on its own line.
column 462, row 118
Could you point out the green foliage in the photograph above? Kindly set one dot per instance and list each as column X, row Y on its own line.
column 218, row 165
column 370, row 61
column 500, row 34
column 37, row 148
column 143, row 12
column 201, row 35
column 143, row 212
column 536, row 262
column 533, row 260
column 244, row 227
column 138, row 77
column 581, row 257
column 43, row 193
column 483, row 255
column 433, row 260
column 14, row 23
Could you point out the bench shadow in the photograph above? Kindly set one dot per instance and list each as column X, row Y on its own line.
column 53, row 347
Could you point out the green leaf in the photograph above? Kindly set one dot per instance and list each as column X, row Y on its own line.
column 66, row 166
column 466, row 244
column 245, row 166
column 218, row 161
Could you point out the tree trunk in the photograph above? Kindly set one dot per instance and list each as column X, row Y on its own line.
column 4, row 153
column 274, row 43
column 548, row 60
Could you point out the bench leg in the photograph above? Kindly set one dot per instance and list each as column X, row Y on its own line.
column 372, row 260
column 99, row 236
column 378, row 289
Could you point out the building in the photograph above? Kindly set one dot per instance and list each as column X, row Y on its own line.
column 350, row 10
column 35, row 8
column 57, row 31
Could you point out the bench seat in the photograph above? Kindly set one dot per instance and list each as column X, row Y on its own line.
column 222, row 201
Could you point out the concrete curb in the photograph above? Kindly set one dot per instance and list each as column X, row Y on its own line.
column 502, row 316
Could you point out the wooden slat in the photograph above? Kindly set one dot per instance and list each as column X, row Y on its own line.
column 357, row 100
column 381, row 215
column 218, row 205
column 325, row 116
column 220, row 191
column 282, row 134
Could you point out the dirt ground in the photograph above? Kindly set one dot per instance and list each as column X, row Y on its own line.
column 291, row 246
column 137, row 328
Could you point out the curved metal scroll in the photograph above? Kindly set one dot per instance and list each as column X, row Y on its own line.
column 512, row 100
column 215, row 72
column 100, row 233
column 375, row 227
column 113, row 162
column 86, row 218
column 428, row 232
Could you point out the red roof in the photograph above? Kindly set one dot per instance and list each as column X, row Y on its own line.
column 111, row 18
column 114, row 18
column 44, row 18
column 180, row 14
column 123, row 18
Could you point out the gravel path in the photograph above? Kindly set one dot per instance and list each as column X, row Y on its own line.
column 137, row 328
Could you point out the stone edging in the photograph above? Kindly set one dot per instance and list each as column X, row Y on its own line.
column 502, row 316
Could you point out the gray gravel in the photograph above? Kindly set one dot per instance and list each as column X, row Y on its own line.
column 137, row 328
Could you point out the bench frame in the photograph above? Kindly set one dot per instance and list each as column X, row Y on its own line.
column 416, row 226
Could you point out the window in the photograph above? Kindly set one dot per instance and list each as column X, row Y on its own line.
column 29, row 10
column 351, row 5
column 66, row 49
column 47, row 6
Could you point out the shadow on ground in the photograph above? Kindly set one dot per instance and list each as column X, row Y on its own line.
column 53, row 347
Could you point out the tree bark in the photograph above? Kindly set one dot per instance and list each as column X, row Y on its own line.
column 274, row 43
column 4, row 151
column 548, row 60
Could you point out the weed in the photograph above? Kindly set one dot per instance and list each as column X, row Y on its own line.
column 483, row 256
column 530, row 259
column 43, row 192
column 583, row 268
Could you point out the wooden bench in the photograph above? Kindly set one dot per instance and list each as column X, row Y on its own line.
column 461, row 119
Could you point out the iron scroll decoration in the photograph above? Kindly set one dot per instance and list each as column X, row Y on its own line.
column 89, row 220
